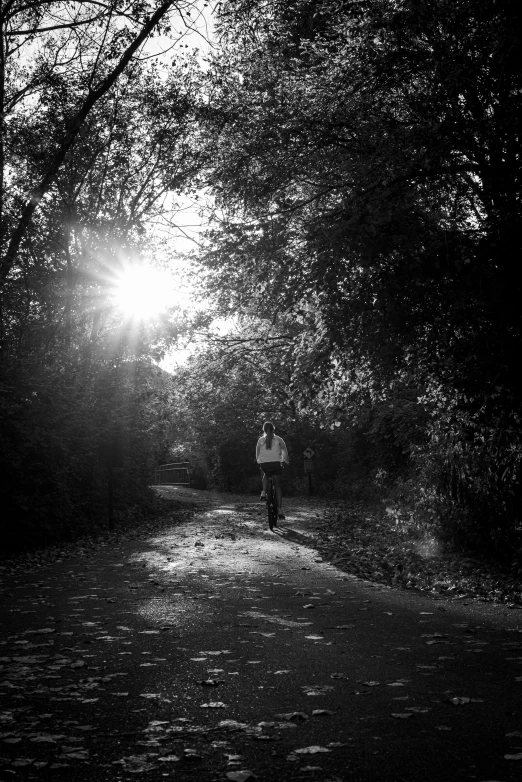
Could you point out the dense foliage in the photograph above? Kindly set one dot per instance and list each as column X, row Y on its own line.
column 367, row 176
column 95, row 143
column 362, row 163
column 222, row 395
column 221, row 398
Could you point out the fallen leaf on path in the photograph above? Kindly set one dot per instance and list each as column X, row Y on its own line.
column 215, row 654
column 135, row 764
column 209, row 682
column 191, row 754
column 233, row 725
column 46, row 738
column 240, row 776
column 295, row 716
column 459, row 701
column 274, row 619
column 213, row 705
column 155, row 725
column 75, row 754
column 316, row 689
column 109, row 638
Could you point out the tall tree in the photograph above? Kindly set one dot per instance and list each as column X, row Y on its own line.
column 94, row 43
column 96, row 146
column 367, row 170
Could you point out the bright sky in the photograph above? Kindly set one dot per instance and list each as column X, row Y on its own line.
column 195, row 35
column 143, row 291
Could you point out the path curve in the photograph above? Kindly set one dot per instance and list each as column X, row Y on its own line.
column 215, row 649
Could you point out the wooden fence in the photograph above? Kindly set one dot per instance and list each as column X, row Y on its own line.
column 175, row 474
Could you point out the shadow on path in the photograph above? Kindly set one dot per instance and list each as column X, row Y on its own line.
column 216, row 649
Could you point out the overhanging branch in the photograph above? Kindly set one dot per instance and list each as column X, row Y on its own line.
column 75, row 125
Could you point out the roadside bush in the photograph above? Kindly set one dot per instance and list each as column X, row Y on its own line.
column 468, row 475
column 56, row 425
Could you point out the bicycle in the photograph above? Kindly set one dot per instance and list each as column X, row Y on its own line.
column 271, row 503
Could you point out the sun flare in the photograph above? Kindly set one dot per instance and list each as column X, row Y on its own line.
column 143, row 292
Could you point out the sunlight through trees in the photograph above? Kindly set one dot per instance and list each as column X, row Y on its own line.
column 353, row 171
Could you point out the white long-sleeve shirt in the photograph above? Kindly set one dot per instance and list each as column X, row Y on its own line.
column 276, row 453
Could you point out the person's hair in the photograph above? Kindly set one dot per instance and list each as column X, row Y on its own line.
column 269, row 429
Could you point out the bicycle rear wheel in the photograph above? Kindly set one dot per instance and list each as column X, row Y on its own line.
column 271, row 505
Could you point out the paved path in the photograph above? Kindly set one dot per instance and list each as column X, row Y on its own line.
column 217, row 650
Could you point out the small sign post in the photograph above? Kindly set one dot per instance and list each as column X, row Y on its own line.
column 309, row 466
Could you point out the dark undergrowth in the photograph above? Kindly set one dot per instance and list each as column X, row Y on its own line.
column 375, row 541
column 162, row 513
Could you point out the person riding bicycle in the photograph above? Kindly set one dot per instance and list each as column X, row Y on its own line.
column 270, row 453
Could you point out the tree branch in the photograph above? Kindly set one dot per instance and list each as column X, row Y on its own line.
column 36, row 30
column 40, row 3
column 74, row 128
